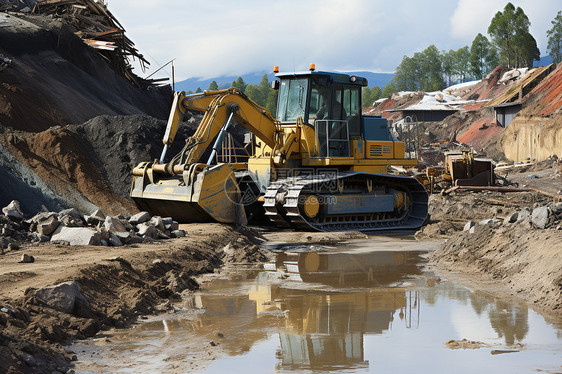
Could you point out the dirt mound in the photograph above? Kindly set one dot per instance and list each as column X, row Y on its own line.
column 524, row 261
column 56, row 79
column 88, row 165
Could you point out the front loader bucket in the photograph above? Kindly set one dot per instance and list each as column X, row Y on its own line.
column 212, row 195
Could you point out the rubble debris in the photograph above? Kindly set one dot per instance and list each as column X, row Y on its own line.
column 69, row 227
column 98, row 28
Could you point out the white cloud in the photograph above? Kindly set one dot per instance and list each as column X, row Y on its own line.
column 220, row 37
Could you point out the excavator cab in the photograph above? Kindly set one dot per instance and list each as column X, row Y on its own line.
column 330, row 103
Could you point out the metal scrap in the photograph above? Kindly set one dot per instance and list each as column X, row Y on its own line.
column 96, row 26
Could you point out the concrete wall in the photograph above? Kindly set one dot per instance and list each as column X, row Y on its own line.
column 533, row 137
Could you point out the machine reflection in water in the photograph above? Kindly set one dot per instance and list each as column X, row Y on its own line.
column 323, row 305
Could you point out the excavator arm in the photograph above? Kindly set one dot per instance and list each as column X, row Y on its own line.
column 219, row 108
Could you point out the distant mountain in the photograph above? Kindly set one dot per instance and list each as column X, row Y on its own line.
column 544, row 61
column 191, row 84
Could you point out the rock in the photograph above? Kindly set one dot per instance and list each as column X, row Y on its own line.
column 532, row 176
column 72, row 212
column 522, row 214
column 13, row 211
column 557, row 208
column 42, row 217
column 170, row 224
column 157, row 222
column 539, row 217
column 114, row 240
column 13, row 247
column 104, row 242
column 64, row 297
column 147, row 231
column 469, row 225
column 47, row 226
column 178, row 234
column 77, row 235
column 161, row 235
column 95, row 218
column 139, row 218
column 123, row 236
column 4, row 243
column 113, row 224
column 485, row 222
column 26, row 259
column 36, row 237
column 511, row 218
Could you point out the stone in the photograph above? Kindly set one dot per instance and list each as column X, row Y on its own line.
column 539, row 217
column 557, row 208
column 522, row 214
column 170, row 224
column 157, row 222
column 511, row 218
column 72, row 212
column 13, row 211
column 42, row 216
column 489, row 222
column 123, row 236
column 147, row 231
column 178, row 233
column 26, row 259
column 64, row 297
column 95, row 218
column 113, row 224
column 139, row 218
column 104, row 242
column 77, row 235
column 114, row 240
column 47, row 226
column 469, row 225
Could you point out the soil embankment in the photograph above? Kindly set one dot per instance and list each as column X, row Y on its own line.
column 118, row 286
column 505, row 243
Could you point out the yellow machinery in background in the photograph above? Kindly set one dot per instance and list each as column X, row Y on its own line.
column 320, row 164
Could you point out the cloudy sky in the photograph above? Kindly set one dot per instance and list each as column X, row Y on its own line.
column 219, row 37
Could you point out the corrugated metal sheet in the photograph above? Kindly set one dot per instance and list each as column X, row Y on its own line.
column 520, row 89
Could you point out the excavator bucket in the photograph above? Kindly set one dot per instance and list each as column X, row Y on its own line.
column 211, row 195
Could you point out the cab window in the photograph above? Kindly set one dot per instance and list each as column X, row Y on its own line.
column 292, row 99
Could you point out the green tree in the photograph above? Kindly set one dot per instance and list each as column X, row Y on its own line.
column 252, row 92
column 462, row 63
column 213, row 86
column 388, row 90
column 271, row 102
column 554, row 45
column 264, row 89
column 406, row 77
column 431, row 66
column 509, row 31
column 369, row 96
column 239, row 84
column 448, row 63
column 479, row 55
column 198, row 90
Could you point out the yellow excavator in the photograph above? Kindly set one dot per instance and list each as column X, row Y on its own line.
column 320, row 164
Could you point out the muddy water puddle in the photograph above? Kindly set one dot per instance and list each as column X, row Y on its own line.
column 364, row 306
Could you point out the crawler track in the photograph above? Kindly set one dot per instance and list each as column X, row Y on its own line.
column 284, row 199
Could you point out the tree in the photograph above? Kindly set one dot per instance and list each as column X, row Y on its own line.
column 407, row 74
column 213, row 86
column 388, row 90
column 239, row 84
column 431, row 66
column 554, row 45
column 448, row 63
column 462, row 63
column 483, row 56
column 369, row 96
column 509, row 31
column 252, row 92
column 271, row 102
column 198, row 90
column 263, row 88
